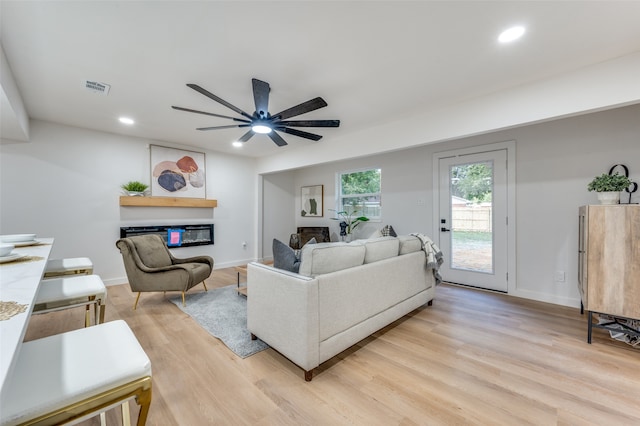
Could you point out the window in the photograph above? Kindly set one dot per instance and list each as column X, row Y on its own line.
column 361, row 191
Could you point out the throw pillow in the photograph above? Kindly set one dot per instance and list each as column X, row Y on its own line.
column 388, row 231
column 284, row 257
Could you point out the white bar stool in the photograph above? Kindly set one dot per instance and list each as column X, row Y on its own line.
column 70, row 292
column 77, row 375
column 70, row 266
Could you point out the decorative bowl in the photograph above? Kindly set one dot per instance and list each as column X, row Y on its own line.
column 5, row 249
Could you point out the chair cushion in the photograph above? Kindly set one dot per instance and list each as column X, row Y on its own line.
column 152, row 250
column 71, row 288
column 59, row 370
column 69, row 264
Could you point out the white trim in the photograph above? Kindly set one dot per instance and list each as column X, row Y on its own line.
column 510, row 147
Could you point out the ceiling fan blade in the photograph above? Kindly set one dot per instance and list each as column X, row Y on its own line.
column 261, row 91
column 246, row 136
column 277, row 139
column 231, row 126
column 219, row 100
column 300, row 133
column 309, row 123
column 209, row 113
column 303, row 108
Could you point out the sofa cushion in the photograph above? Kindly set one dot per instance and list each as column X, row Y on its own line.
column 379, row 248
column 409, row 244
column 323, row 258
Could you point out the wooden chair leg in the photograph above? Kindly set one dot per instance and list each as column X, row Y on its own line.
column 308, row 375
column 135, row 305
column 184, row 304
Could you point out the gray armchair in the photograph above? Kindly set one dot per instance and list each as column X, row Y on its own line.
column 151, row 267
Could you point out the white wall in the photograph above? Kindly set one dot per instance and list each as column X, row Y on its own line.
column 65, row 183
column 554, row 163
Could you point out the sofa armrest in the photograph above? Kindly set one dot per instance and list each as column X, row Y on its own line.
column 282, row 310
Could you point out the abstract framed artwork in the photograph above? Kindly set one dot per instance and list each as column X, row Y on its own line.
column 177, row 173
column 311, row 201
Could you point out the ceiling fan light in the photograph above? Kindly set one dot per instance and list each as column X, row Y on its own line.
column 261, row 128
column 511, row 34
column 237, row 144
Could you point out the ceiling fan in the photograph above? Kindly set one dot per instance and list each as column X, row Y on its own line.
column 262, row 121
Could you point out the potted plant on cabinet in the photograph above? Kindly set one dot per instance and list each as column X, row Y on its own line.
column 608, row 187
column 135, row 188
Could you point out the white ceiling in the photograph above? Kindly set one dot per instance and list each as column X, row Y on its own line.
column 373, row 62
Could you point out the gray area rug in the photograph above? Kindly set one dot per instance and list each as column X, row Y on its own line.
column 223, row 313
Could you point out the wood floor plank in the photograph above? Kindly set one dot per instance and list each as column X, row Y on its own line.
column 474, row 357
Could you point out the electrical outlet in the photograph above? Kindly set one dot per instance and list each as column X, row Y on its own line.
column 559, row 276
column 421, row 202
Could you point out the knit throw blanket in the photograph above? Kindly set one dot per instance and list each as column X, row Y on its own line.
column 434, row 255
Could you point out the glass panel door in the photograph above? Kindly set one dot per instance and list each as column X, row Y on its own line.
column 473, row 219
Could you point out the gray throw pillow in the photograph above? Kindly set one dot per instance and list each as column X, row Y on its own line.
column 284, row 257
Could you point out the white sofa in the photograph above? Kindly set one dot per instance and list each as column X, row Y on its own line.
column 343, row 293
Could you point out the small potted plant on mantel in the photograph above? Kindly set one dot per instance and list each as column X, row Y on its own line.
column 135, row 188
column 608, row 187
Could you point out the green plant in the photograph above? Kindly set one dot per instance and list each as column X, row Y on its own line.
column 135, row 186
column 349, row 219
column 606, row 182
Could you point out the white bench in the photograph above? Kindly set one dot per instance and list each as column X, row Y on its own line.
column 70, row 292
column 76, row 375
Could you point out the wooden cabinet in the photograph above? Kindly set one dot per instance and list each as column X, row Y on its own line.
column 609, row 259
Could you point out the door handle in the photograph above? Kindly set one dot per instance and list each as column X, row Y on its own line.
column 445, row 230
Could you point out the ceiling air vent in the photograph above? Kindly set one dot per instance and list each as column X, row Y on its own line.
column 95, row 87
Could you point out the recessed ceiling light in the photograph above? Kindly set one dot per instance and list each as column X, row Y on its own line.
column 126, row 120
column 237, row 144
column 511, row 34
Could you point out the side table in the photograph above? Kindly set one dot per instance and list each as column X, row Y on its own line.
column 241, row 286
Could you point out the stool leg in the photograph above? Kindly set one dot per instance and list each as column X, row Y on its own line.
column 144, row 400
column 103, row 308
column 87, row 312
column 126, row 417
column 136, row 304
column 103, row 419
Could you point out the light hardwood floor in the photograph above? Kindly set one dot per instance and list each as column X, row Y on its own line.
column 474, row 357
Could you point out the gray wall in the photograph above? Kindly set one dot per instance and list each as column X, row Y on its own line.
column 554, row 162
column 65, row 184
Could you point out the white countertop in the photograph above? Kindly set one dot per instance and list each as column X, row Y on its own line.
column 19, row 282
